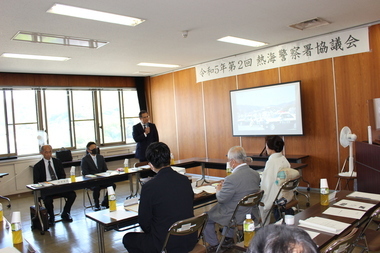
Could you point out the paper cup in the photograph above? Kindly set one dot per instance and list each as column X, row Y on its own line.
column 324, row 183
column 110, row 190
column 16, row 217
column 289, row 219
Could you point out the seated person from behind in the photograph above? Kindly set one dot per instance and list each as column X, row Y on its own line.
column 48, row 169
column 94, row 163
column 276, row 162
column 241, row 182
column 165, row 199
column 282, row 239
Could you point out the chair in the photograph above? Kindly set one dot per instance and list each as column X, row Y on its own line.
column 186, row 227
column 370, row 237
column 343, row 244
column 289, row 185
column 86, row 191
column 250, row 200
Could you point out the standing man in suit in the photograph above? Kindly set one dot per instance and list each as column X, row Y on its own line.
column 144, row 133
column 94, row 163
column 48, row 169
column 241, row 182
column 165, row 199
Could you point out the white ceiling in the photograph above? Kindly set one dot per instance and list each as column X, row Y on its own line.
column 159, row 39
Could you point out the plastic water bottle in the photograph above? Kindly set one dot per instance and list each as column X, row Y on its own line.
column 228, row 169
column 16, row 228
column 249, row 230
column 126, row 165
column 171, row 159
column 72, row 174
column 111, row 198
column 324, row 192
column 1, row 212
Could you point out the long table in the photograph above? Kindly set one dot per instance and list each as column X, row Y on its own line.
column 81, row 182
column 7, row 241
column 221, row 164
column 324, row 238
column 121, row 218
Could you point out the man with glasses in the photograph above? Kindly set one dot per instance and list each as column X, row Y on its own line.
column 144, row 133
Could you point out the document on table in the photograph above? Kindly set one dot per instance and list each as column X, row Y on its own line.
column 107, row 173
column 120, row 214
column 207, row 188
column 324, row 224
column 364, row 195
column 132, row 204
column 311, row 233
column 354, row 204
column 342, row 212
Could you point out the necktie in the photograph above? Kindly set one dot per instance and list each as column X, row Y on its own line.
column 52, row 174
column 144, row 127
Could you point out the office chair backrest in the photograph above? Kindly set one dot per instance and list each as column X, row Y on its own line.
column 249, row 200
column 343, row 244
column 186, row 227
column 289, row 186
column 367, row 223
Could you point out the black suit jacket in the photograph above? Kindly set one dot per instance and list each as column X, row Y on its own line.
column 142, row 141
column 88, row 166
column 165, row 199
column 39, row 170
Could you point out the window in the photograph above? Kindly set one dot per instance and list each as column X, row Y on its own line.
column 65, row 118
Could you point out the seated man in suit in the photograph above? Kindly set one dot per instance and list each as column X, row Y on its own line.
column 48, row 169
column 241, row 182
column 165, row 199
column 94, row 163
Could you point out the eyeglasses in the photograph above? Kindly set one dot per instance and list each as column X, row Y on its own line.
column 146, row 117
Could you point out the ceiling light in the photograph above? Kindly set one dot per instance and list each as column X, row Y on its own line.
column 94, row 15
column 58, row 40
column 245, row 42
column 158, row 65
column 315, row 22
column 35, row 57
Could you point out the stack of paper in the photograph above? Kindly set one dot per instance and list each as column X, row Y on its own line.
column 324, row 224
column 354, row 204
column 342, row 212
column 132, row 204
column 207, row 188
column 365, row 195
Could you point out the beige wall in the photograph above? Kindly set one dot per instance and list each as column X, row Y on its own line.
column 194, row 118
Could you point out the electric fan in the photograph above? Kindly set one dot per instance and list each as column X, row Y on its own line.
column 346, row 139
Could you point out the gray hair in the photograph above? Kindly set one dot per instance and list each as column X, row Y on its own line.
column 238, row 154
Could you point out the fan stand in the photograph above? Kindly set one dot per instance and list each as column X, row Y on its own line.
column 345, row 175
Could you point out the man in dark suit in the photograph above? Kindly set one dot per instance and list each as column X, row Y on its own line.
column 94, row 163
column 144, row 133
column 165, row 199
column 48, row 169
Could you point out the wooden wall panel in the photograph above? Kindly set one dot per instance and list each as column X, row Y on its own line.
column 190, row 115
column 357, row 80
column 218, row 116
column 261, row 78
column 13, row 79
column 50, row 80
column 163, row 109
column 319, row 122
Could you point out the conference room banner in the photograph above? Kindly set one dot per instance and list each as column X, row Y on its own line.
column 317, row 48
